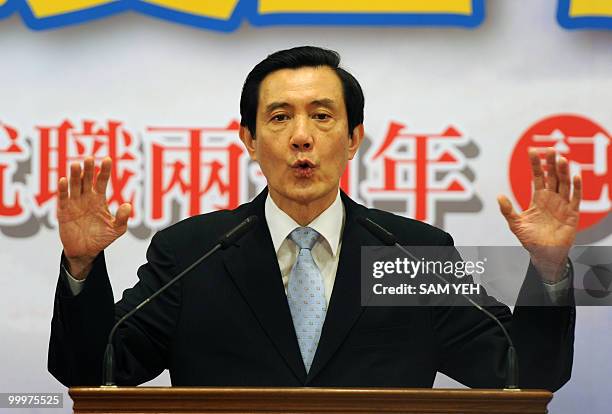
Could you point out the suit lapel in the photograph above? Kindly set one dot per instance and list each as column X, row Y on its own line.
column 345, row 303
column 253, row 265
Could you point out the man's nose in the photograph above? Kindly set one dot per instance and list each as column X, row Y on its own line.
column 301, row 138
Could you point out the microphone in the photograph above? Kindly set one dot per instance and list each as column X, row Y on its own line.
column 389, row 239
column 224, row 242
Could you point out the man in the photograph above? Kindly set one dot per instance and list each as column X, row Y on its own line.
column 239, row 320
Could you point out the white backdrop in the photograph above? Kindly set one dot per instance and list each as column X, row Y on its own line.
column 491, row 83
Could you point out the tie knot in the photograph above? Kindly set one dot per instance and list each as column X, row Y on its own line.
column 304, row 237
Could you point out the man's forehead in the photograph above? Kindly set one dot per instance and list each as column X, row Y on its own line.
column 318, row 85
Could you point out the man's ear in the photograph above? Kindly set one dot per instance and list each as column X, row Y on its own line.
column 355, row 140
column 248, row 140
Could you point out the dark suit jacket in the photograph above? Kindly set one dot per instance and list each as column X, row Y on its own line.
column 228, row 323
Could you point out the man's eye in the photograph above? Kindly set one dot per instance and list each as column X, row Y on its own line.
column 280, row 117
column 322, row 116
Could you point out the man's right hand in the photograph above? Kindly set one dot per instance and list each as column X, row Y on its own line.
column 86, row 225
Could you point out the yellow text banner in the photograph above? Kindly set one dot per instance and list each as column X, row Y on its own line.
column 47, row 8
column 366, row 6
column 218, row 9
column 580, row 8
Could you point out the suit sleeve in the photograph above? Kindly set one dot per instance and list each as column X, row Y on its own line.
column 472, row 348
column 81, row 323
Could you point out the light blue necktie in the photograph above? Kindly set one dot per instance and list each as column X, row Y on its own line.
column 306, row 295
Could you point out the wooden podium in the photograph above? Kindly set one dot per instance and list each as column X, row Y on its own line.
column 169, row 400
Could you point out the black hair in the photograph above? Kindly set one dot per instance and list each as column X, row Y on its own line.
column 295, row 58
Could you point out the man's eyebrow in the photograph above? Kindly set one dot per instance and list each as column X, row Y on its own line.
column 276, row 105
column 326, row 102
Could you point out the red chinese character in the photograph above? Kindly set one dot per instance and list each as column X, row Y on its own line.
column 58, row 146
column 586, row 145
column 348, row 179
column 200, row 169
column 12, row 209
column 411, row 172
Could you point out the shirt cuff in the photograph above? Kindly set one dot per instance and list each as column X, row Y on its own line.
column 559, row 291
column 75, row 285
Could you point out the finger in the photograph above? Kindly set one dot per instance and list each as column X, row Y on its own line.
column 88, row 173
column 103, row 176
column 505, row 206
column 564, row 178
column 123, row 214
column 75, row 180
column 551, row 170
column 577, row 194
column 62, row 192
column 536, row 170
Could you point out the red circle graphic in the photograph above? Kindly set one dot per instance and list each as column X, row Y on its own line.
column 588, row 149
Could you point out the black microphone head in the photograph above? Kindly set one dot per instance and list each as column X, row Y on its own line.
column 377, row 231
column 238, row 232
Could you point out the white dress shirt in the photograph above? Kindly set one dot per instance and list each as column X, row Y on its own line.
column 326, row 251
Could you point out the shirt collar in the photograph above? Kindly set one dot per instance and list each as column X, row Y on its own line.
column 328, row 224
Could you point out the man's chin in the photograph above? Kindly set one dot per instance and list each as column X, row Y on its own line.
column 305, row 195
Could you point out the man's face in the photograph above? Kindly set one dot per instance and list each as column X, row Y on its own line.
column 302, row 140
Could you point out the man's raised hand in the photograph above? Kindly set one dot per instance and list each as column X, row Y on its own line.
column 547, row 229
column 86, row 225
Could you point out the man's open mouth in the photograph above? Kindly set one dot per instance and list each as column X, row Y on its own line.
column 303, row 168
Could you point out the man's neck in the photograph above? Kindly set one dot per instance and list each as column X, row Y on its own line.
column 303, row 213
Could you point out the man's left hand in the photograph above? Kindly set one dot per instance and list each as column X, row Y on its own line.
column 547, row 229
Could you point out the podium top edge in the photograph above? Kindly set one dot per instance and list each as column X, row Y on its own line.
column 233, row 400
column 305, row 391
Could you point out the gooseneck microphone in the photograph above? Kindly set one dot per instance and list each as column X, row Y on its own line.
column 224, row 242
column 389, row 239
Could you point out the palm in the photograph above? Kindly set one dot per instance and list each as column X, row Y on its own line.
column 86, row 225
column 547, row 229
column 549, row 221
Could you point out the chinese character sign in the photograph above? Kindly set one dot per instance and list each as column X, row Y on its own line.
column 169, row 173
column 588, row 149
column 416, row 171
column 12, row 193
column 198, row 169
column 56, row 147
